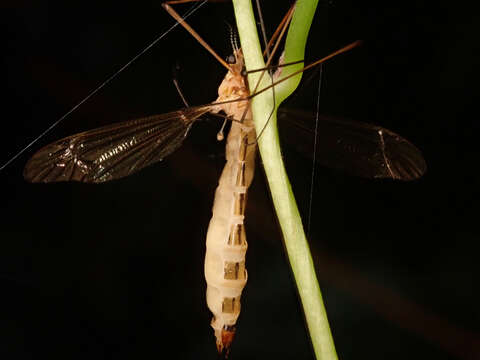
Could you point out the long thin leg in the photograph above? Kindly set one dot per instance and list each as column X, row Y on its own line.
column 182, row 22
column 286, row 18
column 282, row 32
column 284, row 27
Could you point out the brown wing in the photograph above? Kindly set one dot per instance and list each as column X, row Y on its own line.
column 357, row 148
column 113, row 151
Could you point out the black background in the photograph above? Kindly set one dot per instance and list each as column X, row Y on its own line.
column 116, row 270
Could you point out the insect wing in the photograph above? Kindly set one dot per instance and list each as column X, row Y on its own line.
column 113, row 151
column 357, row 148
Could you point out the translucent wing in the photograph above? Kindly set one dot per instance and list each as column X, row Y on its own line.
column 357, row 148
column 112, row 151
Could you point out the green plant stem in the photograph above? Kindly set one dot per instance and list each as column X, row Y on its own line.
column 284, row 202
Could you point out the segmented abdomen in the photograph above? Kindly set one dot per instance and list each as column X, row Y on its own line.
column 226, row 241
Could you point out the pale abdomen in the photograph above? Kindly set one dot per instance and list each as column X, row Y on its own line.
column 225, row 271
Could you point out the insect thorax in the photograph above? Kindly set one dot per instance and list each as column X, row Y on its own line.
column 233, row 87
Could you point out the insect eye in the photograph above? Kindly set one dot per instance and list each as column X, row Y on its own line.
column 231, row 59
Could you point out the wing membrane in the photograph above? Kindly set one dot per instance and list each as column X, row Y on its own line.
column 113, row 151
column 357, row 148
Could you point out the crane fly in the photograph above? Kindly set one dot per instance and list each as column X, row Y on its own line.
column 119, row 150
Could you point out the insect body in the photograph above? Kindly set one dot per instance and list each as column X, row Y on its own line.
column 226, row 241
